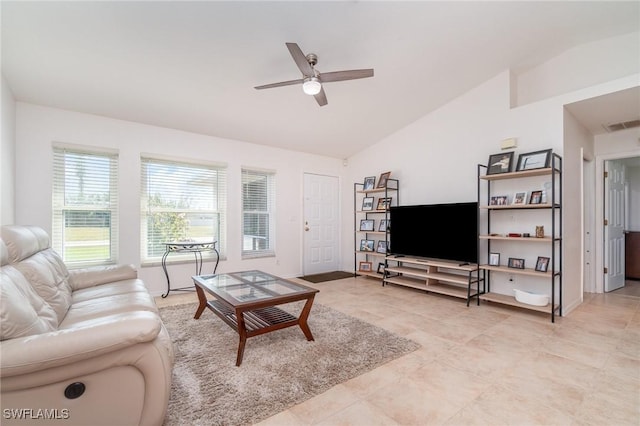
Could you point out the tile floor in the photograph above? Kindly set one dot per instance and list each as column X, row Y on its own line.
column 486, row 365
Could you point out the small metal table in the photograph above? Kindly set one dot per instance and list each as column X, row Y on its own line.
column 188, row 247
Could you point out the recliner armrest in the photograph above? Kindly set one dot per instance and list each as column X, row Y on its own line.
column 93, row 276
column 85, row 340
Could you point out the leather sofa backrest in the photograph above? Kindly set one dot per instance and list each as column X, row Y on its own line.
column 22, row 311
column 33, row 269
column 23, row 241
column 4, row 253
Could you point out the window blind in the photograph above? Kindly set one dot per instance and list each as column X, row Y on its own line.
column 85, row 206
column 181, row 201
column 258, row 213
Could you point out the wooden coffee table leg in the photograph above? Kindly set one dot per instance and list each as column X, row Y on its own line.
column 202, row 298
column 302, row 321
column 242, row 331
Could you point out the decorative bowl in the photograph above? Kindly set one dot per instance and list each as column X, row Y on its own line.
column 530, row 298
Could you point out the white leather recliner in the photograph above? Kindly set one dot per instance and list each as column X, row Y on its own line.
column 78, row 347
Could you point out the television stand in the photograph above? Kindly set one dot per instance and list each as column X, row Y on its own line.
column 436, row 276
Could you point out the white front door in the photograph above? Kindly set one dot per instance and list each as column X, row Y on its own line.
column 321, row 223
column 614, row 205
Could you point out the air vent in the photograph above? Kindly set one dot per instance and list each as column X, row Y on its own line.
column 622, row 125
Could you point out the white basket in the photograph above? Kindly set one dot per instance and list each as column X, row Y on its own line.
column 531, row 298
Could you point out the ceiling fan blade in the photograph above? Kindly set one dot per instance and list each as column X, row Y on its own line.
column 327, row 77
column 321, row 97
column 282, row 83
column 300, row 59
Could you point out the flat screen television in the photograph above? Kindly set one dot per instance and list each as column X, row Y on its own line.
column 438, row 231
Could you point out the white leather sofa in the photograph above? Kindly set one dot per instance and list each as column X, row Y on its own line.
column 78, row 347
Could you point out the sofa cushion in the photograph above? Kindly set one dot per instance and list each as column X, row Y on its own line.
column 108, row 305
column 118, row 287
column 22, row 311
column 23, row 241
column 49, row 277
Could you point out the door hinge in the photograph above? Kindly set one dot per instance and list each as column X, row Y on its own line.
column 606, row 270
column 606, row 222
column 606, row 174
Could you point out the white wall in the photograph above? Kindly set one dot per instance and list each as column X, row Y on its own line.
column 435, row 159
column 7, row 155
column 580, row 67
column 38, row 127
column 578, row 145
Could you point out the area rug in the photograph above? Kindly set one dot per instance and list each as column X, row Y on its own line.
column 326, row 276
column 279, row 369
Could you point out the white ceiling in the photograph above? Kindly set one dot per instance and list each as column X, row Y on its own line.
column 193, row 65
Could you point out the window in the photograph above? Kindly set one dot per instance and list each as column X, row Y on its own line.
column 85, row 206
column 258, row 202
column 181, row 202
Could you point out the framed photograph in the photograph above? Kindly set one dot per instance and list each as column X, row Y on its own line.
column 365, row 266
column 500, row 163
column 494, row 259
column 535, row 197
column 366, row 245
column 367, row 224
column 499, row 200
column 369, row 183
column 382, row 181
column 367, row 203
column 514, row 262
column 519, row 198
column 384, row 203
column 384, row 225
column 534, row 160
column 380, row 268
column 382, row 247
column 542, row 264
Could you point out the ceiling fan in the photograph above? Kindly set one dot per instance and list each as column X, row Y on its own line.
column 312, row 79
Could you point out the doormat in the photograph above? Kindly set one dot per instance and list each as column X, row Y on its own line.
column 327, row 276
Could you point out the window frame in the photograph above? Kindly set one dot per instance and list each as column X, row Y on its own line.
column 269, row 210
column 61, row 206
column 220, row 197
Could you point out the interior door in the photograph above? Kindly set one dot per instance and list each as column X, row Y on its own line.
column 321, row 224
column 614, row 205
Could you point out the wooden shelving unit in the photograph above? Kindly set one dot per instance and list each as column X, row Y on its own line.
column 390, row 190
column 435, row 276
column 552, row 243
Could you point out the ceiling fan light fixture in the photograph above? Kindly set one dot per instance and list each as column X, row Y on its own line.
column 311, row 86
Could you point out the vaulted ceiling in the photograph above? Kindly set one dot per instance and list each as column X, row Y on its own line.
column 193, row 65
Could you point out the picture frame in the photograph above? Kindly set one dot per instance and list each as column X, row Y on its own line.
column 499, row 200
column 500, row 163
column 369, row 183
column 365, row 266
column 382, row 180
column 542, row 264
column 380, row 268
column 535, row 197
column 519, row 198
column 534, row 160
column 384, row 225
column 381, row 247
column 494, row 259
column 367, row 204
column 367, row 245
column 384, row 203
column 516, row 263
column 367, row 224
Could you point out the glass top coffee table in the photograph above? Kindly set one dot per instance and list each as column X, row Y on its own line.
column 247, row 301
